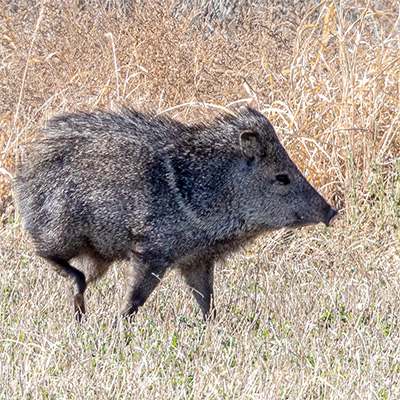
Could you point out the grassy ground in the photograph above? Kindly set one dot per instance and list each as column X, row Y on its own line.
column 310, row 314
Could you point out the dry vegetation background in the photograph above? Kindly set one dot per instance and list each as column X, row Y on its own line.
column 310, row 314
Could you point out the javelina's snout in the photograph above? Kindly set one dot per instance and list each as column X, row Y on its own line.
column 330, row 215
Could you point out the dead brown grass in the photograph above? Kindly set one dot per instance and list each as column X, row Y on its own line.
column 309, row 315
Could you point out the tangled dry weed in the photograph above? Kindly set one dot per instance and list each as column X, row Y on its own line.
column 310, row 314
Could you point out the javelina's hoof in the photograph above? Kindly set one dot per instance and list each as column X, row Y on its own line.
column 79, row 306
column 129, row 313
column 210, row 316
column 127, row 319
column 130, row 318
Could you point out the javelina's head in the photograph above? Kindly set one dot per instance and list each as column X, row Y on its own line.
column 273, row 193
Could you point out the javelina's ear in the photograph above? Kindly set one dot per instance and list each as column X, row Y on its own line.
column 250, row 144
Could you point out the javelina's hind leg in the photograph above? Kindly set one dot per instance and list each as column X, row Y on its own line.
column 200, row 277
column 78, row 281
column 142, row 283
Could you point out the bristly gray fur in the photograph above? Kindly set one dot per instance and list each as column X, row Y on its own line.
column 101, row 187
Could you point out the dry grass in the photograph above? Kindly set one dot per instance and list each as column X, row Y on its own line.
column 312, row 314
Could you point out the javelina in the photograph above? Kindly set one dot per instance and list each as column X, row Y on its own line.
column 101, row 187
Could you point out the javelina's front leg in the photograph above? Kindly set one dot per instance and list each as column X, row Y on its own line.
column 200, row 277
column 142, row 282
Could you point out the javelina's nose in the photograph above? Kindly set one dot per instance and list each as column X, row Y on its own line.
column 331, row 213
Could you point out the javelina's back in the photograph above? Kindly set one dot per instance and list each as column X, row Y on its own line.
column 96, row 188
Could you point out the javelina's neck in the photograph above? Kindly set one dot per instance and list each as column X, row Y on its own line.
column 203, row 209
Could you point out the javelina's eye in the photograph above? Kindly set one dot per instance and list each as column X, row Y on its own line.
column 283, row 179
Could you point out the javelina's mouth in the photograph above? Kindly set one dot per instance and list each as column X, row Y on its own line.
column 331, row 214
